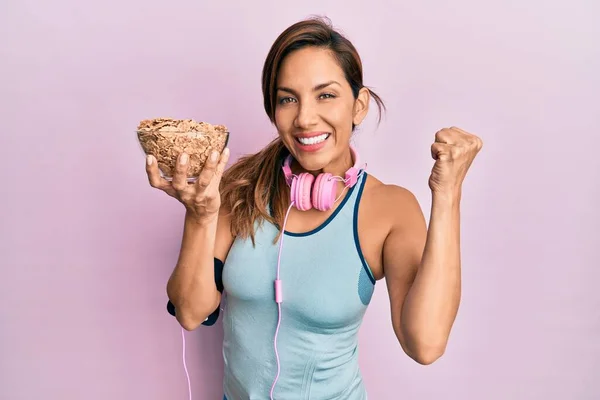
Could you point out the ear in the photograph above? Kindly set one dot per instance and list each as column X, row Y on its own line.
column 361, row 106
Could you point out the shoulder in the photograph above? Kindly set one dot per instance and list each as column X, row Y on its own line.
column 392, row 227
column 405, row 231
column 397, row 203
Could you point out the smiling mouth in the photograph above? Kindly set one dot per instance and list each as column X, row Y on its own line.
column 313, row 140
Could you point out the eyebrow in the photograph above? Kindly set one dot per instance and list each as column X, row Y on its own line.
column 318, row 87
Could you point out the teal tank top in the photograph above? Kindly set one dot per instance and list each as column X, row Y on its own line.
column 327, row 286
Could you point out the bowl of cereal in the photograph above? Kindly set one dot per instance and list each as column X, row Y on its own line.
column 167, row 138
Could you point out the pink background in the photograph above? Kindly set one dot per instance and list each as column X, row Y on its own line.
column 87, row 246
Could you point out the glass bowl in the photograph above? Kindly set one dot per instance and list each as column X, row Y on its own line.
column 167, row 145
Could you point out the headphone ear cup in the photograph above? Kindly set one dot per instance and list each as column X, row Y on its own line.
column 301, row 191
column 324, row 191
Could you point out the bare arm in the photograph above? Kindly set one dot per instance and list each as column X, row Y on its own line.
column 423, row 274
column 191, row 287
column 206, row 235
column 423, row 267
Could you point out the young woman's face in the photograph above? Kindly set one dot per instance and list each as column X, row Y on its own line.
column 315, row 109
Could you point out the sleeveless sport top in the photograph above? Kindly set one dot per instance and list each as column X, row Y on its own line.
column 327, row 286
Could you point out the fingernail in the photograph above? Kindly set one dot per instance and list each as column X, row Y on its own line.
column 213, row 156
column 184, row 158
column 226, row 151
column 149, row 159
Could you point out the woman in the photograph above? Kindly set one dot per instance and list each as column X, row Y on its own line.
column 295, row 301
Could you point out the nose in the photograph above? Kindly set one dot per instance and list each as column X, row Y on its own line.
column 307, row 115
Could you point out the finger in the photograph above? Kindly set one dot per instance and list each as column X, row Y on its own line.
column 444, row 136
column 462, row 136
column 219, row 170
column 222, row 164
column 465, row 134
column 470, row 138
column 208, row 171
column 179, row 181
column 454, row 128
column 440, row 151
column 154, row 178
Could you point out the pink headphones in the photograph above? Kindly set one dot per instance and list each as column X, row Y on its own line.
column 307, row 192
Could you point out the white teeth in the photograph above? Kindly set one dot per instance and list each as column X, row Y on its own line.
column 314, row 139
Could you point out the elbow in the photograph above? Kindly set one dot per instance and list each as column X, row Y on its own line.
column 427, row 356
column 191, row 314
column 424, row 353
column 190, row 321
column 189, row 324
column 191, row 318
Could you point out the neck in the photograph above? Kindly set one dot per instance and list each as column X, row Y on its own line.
column 337, row 167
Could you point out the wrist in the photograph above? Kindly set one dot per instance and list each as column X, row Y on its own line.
column 193, row 220
column 450, row 198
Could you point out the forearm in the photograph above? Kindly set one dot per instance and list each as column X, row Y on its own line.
column 191, row 287
column 432, row 302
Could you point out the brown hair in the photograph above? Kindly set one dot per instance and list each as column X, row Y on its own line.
column 254, row 189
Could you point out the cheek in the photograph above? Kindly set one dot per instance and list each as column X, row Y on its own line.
column 283, row 123
column 283, row 116
column 279, row 119
column 339, row 116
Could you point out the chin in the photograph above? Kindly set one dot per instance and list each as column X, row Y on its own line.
column 314, row 165
column 313, row 159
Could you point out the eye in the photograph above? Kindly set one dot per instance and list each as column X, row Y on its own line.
column 327, row 96
column 284, row 100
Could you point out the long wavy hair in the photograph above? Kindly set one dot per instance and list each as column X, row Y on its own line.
column 253, row 189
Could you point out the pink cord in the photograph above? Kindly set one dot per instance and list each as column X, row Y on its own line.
column 185, row 366
column 279, row 298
